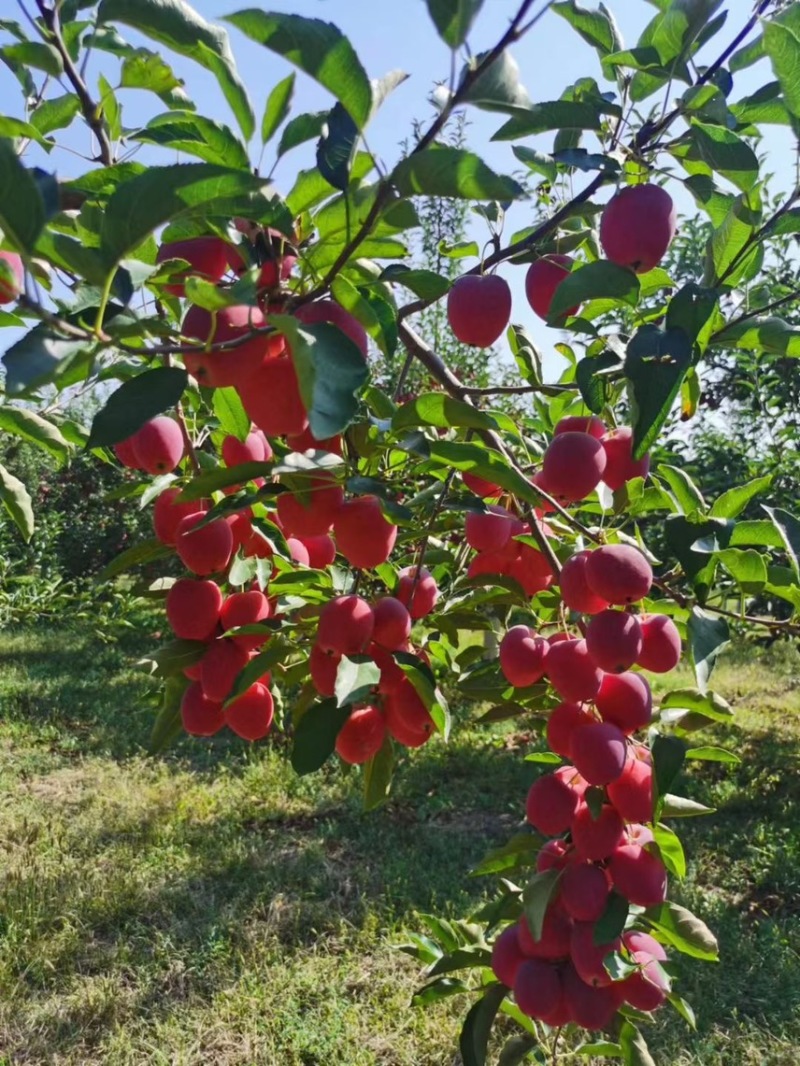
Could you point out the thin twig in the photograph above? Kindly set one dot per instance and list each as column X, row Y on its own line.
column 91, row 110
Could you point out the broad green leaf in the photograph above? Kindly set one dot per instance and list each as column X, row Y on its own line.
column 425, row 284
column 747, row 567
column 692, row 309
column 36, row 54
column 279, row 104
column 671, row 849
column 453, row 19
column 489, row 465
column 612, row 921
column 538, row 162
column 761, row 334
column 634, row 1047
column 517, row 1049
column 37, row 357
column 536, row 897
column 789, row 529
column 231, row 413
column 596, row 27
column 668, row 755
column 17, row 502
column 22, row 214
column 655, row 365
column 317, row 48
column 602, row 280
column 171, row 659
column 143, row 69
column 712, row 754
column 177, row 25
column 551, row 115
column 782, row 45
column 378, row 776
column 55, row 114
column 720, row 151
column 135, row 402
column 336, row 147
column 300, row 129
column 683, row 534
column 221, row 477
column 167, row 726
column 760, row 533
column 438, row 409
column 356, row 679
column 732, row 250
column 684, row 1009
column 708, row 703
column 473, row 1041
column 689, row 497
column 731, row 503
column 315, row 736
column 455, row 172
column 747, row 55
column 521, row 850
column 30, row 426
column 193, row 134
column 421, row 677
column 763, row 107
column 330, row 369
column 684, row 931
column 139, row 206
column 708, row 636
column 499, row 88
column 376, row 314
column 146, row 551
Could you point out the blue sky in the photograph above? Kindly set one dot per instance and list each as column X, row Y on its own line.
column 390, row 35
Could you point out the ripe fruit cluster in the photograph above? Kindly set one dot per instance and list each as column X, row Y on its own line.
column 598, row 807
column 636, row 229
column 349, row 626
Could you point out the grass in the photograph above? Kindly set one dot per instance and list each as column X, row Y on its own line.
column 210, row 907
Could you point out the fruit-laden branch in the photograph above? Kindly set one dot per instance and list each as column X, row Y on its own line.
column 92, row 111
column 384, row 190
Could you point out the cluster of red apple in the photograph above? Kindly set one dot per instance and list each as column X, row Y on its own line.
column 603, row 799
column 349, row 626
column 636, row 229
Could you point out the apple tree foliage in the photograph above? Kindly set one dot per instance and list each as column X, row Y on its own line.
column 99, row 309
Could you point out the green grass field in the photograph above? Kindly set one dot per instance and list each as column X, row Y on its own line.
column 209, row 907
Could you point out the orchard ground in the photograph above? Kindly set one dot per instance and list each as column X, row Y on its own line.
column 208, row 906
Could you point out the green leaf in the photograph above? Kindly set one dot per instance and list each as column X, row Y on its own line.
column 161, row 194
column 789, row 529
column 221, row 477
column 473, row 1041
column 489, row 465
column 135, row 402
column 597, row 28
column 331, row 370
column 178, row 26
column 612, row 921
column 760, row 533
column 36, row 54
column 671, row 849
column 356, row 679
column 516, row 1049
column 719, row 150
column 147, row 551
column 173, row 658
column 453, row 19
column 709, row 704
column 317, row 48
column 520, row 850
column 536, row 898
column 689, row 497
column 300, row 129
column 22, row 214
column 747, row 567
column 692, row 310
column 708, row 636
column 17, row 502
column 684, row 1009
column 761, row 334
column 668, row 755
column 731, row 503
column 55, row 114
column 455, row 172
column 684, row 931
column 375, row 313
column 30, row 426
column 782, row 45
column 552, row 115
column 193, row 134
column 378, row 776
column 38, row 357
column 634, row 1047
column 315, row 736
column 421, row 677
column 167, row 726
column 498, row 88
column 336, row 147
column 538, row 162
column 438, row 409
column 595, row 281
column 712, row 754
column 425, row 284
column 143, row 69
column 230, row 411
column 279, row 104
column 655, row 365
